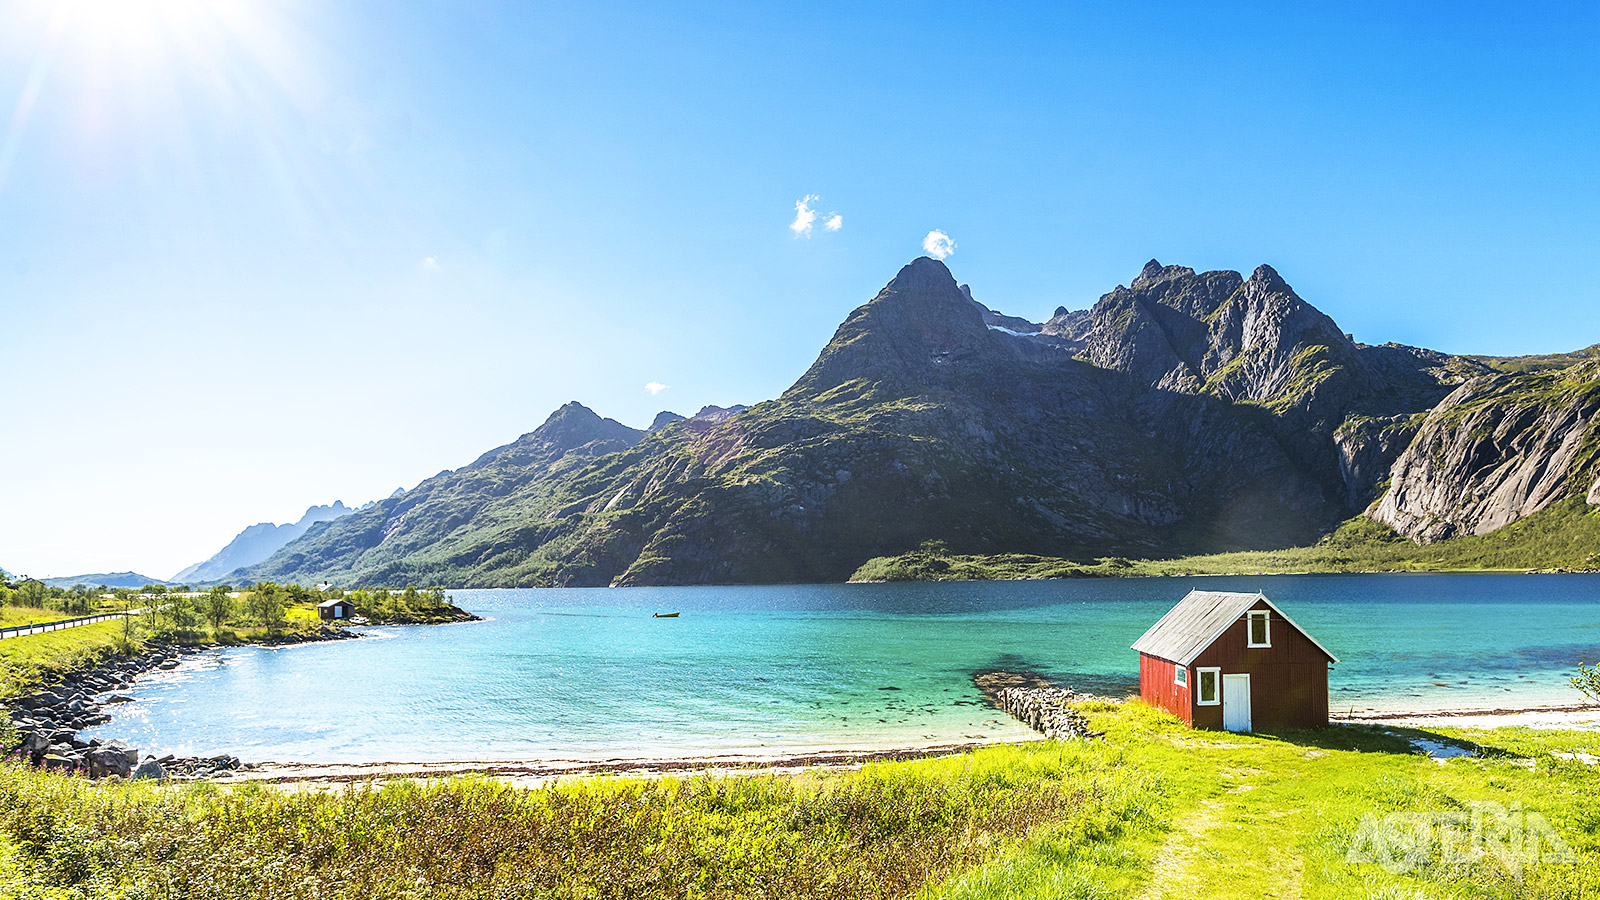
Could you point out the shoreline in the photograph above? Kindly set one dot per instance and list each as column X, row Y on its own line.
column 536, row 772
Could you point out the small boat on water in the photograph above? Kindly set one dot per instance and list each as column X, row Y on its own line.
column 672, row 615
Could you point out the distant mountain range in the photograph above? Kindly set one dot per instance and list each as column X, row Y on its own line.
column 258, row 542
column 103, row 579
column 1183, row 413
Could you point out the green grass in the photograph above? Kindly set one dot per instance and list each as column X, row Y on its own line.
column 31, row 659
column 1153, row 810
column 885, row 831
column 1564, row 535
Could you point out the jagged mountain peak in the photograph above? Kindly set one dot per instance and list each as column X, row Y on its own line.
column 921, row 272
column 1267, row 277
column 574, row 425
column 920, row 321
column 571, row 426
column 1154, row 272
column 663, row 419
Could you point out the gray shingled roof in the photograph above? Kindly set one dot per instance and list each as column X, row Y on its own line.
column 1199, row 619
column 327, row 603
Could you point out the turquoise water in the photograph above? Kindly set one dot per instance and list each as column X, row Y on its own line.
column 590, row 674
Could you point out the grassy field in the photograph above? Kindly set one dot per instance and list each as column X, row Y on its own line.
column 1153, row 810
column 1565, row 535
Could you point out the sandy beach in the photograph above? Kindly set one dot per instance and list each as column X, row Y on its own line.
column 532, row 773
column 1579, row 718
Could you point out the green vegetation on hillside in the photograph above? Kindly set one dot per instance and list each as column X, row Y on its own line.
column 1540, row 363
column 1152, row 810
column 1565, row 535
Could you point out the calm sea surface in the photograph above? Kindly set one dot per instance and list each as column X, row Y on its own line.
column 589, row 673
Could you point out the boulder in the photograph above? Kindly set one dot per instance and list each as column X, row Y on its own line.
column 58, row 763
column 1594, row 493
column 113, row 758
column 151, row 769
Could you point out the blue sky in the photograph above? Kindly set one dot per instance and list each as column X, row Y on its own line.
column 258, row 255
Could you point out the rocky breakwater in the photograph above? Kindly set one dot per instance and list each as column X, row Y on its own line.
column 46, row 722
column 1039, row 703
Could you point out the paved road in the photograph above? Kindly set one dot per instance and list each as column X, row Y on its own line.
column 42, row 627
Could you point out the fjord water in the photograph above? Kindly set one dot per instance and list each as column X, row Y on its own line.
column 589, row 673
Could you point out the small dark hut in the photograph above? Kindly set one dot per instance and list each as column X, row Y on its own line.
column 336, row 609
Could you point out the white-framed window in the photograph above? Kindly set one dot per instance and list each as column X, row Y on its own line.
column 1180, row 675
column 1208, row 681
column 1260, row 634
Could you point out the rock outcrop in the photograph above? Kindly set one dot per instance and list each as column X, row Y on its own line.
column 1498, row 449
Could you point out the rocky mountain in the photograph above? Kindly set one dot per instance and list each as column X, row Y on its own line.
column 1186, row 412
column 256, row 543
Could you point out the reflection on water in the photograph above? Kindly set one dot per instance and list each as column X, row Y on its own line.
column 592, row 673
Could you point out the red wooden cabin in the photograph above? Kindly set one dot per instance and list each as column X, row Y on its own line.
column 1236, row 662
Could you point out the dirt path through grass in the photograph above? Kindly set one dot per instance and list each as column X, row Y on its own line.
column 1237, row 837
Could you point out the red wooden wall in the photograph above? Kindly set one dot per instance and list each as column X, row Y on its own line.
column 1157, row 688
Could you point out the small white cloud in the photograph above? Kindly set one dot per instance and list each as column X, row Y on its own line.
column 938, row 244
column 431, row 263
column 804, row 215
column 656, row 387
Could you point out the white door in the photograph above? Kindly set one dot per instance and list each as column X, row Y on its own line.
column 1236, row 702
